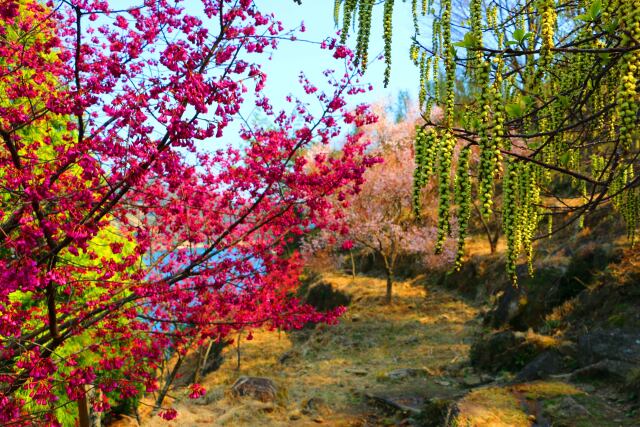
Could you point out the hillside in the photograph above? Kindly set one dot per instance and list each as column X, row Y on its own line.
column 399, row 352
column 404, row 364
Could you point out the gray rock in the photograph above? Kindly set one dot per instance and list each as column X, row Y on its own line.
column 295, row 415
column 568, row 409
column 259, row 388
column 472, row 380
column 316, row 406
column 410, row 405
column 398, row 374
column 507, row 308
column 611, row 344
column 604, row 368
column 357, row 372
column 504, row 350
column 548, row 363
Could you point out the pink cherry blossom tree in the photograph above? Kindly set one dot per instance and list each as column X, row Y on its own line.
column 379, row 219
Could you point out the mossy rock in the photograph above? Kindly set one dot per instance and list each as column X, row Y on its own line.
column 434, row 413
column 508, row 350
column 324, row 297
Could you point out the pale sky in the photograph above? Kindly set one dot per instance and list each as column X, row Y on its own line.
column 293, row 57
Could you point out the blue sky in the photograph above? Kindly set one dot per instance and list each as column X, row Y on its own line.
column 292, row 57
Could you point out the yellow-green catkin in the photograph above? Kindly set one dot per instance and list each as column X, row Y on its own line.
column 387, row 36
column 463, row 202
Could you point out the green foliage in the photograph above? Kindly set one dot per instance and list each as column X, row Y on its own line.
column 551, row 107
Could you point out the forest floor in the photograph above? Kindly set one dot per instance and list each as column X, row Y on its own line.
column 332, row 377
column 380, row 358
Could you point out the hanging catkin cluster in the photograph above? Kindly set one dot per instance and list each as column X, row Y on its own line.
column 426, row 151
column 361, row 11
column 463, row 201
column 548, row 112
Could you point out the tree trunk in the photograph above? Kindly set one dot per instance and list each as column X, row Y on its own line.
column 84, row 419
column 168, row 383
column 353, row 265
column 203, row 356
column 493, row 242
column 238, row 350
column 389, row 285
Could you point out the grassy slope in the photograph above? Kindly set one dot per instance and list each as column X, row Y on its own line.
column 425, row 330
column 422, row 330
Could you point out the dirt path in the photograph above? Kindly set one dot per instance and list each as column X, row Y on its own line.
column 399, row 353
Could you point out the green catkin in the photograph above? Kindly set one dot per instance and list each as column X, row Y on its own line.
column 347, row 13
column 509, row 218
column 364, row 30
column 463, row 202
column 414, row 14
column 448, row 141
column 336, row 11
column 447, row 144
column 387, row 36
column 475, row 9
column 424, row 70
column 426, row 151
column 627, row 105
column 488, row 146
column 548, row 24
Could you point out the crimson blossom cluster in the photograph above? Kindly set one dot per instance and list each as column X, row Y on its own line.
column 130, row 229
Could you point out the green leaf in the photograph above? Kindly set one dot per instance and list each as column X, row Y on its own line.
column 515, row 110
column 468, row 42
column 612, row 27
column 564, row 100
column 564, row 158
column 519, row 34
column 595, row 10
column 511, row 42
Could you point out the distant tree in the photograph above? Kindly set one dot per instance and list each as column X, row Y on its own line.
column 380, row 219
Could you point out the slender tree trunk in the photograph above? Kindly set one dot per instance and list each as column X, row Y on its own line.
column 203, row 356
column 389, row 274
column 494, row 240
column 238, row 350
column 84, row 419
column 353, row 265
column 168, row 383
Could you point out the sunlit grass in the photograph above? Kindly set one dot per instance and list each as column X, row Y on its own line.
column 422, row 329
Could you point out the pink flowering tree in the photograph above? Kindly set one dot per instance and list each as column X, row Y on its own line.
column 380, row 219
column 130, row 228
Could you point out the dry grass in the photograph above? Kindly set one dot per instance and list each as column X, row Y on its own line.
column 424, row 330
column 507, row 406
column 491, row 406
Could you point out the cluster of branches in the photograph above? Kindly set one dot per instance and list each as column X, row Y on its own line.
column 127, row 233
